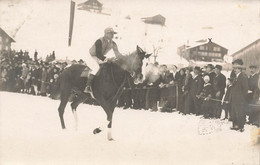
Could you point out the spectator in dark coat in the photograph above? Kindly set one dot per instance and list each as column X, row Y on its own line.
column 196, row 89
column 237, row 99
column 219, row 85
column 252, row 85
column 18, row 84
column 253, row 94
column 180, row 84
column 4, row 79
column 25, row 71
column 35, row 79
column 43, row 81
column 166, row 92
column 186, row 91
column 210, row 72
column 11, row 79
column 153, row 95
column 139, row 96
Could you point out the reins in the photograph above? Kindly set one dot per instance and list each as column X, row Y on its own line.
column 121, row 87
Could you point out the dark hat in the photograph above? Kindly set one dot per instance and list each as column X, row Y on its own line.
column 252, row 66
column 80, row 60
column 210, row 66
column 197, row 68
column 188, row 68
column 219, row 67
column 238, row 61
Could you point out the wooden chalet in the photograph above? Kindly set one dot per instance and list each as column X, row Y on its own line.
column 91, row 5
column 157, row 19
column 5, row 40
column 249, row 54
column 202, row 50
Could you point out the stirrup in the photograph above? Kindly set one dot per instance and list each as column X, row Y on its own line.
column 88, row 90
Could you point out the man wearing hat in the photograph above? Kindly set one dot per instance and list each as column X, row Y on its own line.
column 237, row 98
column 196, row 88
column 219, row 85
column 234, row 63
column 253, row 93
column 210, row 72
column 98, row 51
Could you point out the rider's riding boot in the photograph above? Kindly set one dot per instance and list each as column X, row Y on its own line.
column 88, row 85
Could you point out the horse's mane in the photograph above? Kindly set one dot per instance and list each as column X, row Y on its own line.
column 123, row 60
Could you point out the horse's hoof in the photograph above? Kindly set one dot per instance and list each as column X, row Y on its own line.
column 96, row 131
column 111, row 139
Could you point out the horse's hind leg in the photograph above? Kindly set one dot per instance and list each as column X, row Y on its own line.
column 64, row 100
column 77, row 100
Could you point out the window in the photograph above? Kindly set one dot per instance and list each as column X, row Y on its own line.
column 1, row 39
column 202, row 48
column 6, row 40
column 216, row 49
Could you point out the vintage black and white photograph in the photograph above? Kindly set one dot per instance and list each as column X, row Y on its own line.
column 129, row 82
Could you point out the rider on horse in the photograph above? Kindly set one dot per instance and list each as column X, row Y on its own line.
column 98, row 51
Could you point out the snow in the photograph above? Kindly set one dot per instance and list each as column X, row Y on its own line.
column 30, row 133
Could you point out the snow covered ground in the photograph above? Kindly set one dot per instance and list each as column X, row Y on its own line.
column 30, row 133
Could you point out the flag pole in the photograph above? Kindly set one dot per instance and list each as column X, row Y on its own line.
column 72, row 11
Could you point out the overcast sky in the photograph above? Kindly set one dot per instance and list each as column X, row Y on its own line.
column 231, row 23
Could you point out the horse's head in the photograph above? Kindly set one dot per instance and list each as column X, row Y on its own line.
column 135, row 63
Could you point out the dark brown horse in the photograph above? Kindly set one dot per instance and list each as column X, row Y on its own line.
column 107, row 84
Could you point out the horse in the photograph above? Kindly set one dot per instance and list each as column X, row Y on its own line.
column 107, row 85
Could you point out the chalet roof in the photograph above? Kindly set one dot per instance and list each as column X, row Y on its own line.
column 234, row 54
column 200, row 43
column 90, row 2
column 157, row 19
column 2, row 31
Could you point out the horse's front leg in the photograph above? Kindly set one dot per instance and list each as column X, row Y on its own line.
column 75, row 119
column 109, row 132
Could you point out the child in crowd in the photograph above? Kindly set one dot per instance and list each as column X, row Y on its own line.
column 226, row 104
column 205, row 96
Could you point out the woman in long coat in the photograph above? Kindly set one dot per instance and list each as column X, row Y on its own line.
column 43, row 81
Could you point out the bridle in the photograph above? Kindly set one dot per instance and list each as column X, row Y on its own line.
column 132, row 73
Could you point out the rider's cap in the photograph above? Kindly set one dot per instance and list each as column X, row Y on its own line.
column 110, row 30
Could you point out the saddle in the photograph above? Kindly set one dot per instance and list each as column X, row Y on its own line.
column 85, row 72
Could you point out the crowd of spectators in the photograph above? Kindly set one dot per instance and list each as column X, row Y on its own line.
column 200, row 91
column 23, row 74
column 191, row 90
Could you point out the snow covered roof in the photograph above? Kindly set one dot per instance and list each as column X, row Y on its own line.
column 245, row 47
column 196, row 43
column 157, row 19
column 4, row 32
column 200, row 43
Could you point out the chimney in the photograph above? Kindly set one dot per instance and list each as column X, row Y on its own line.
column 210, row 40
